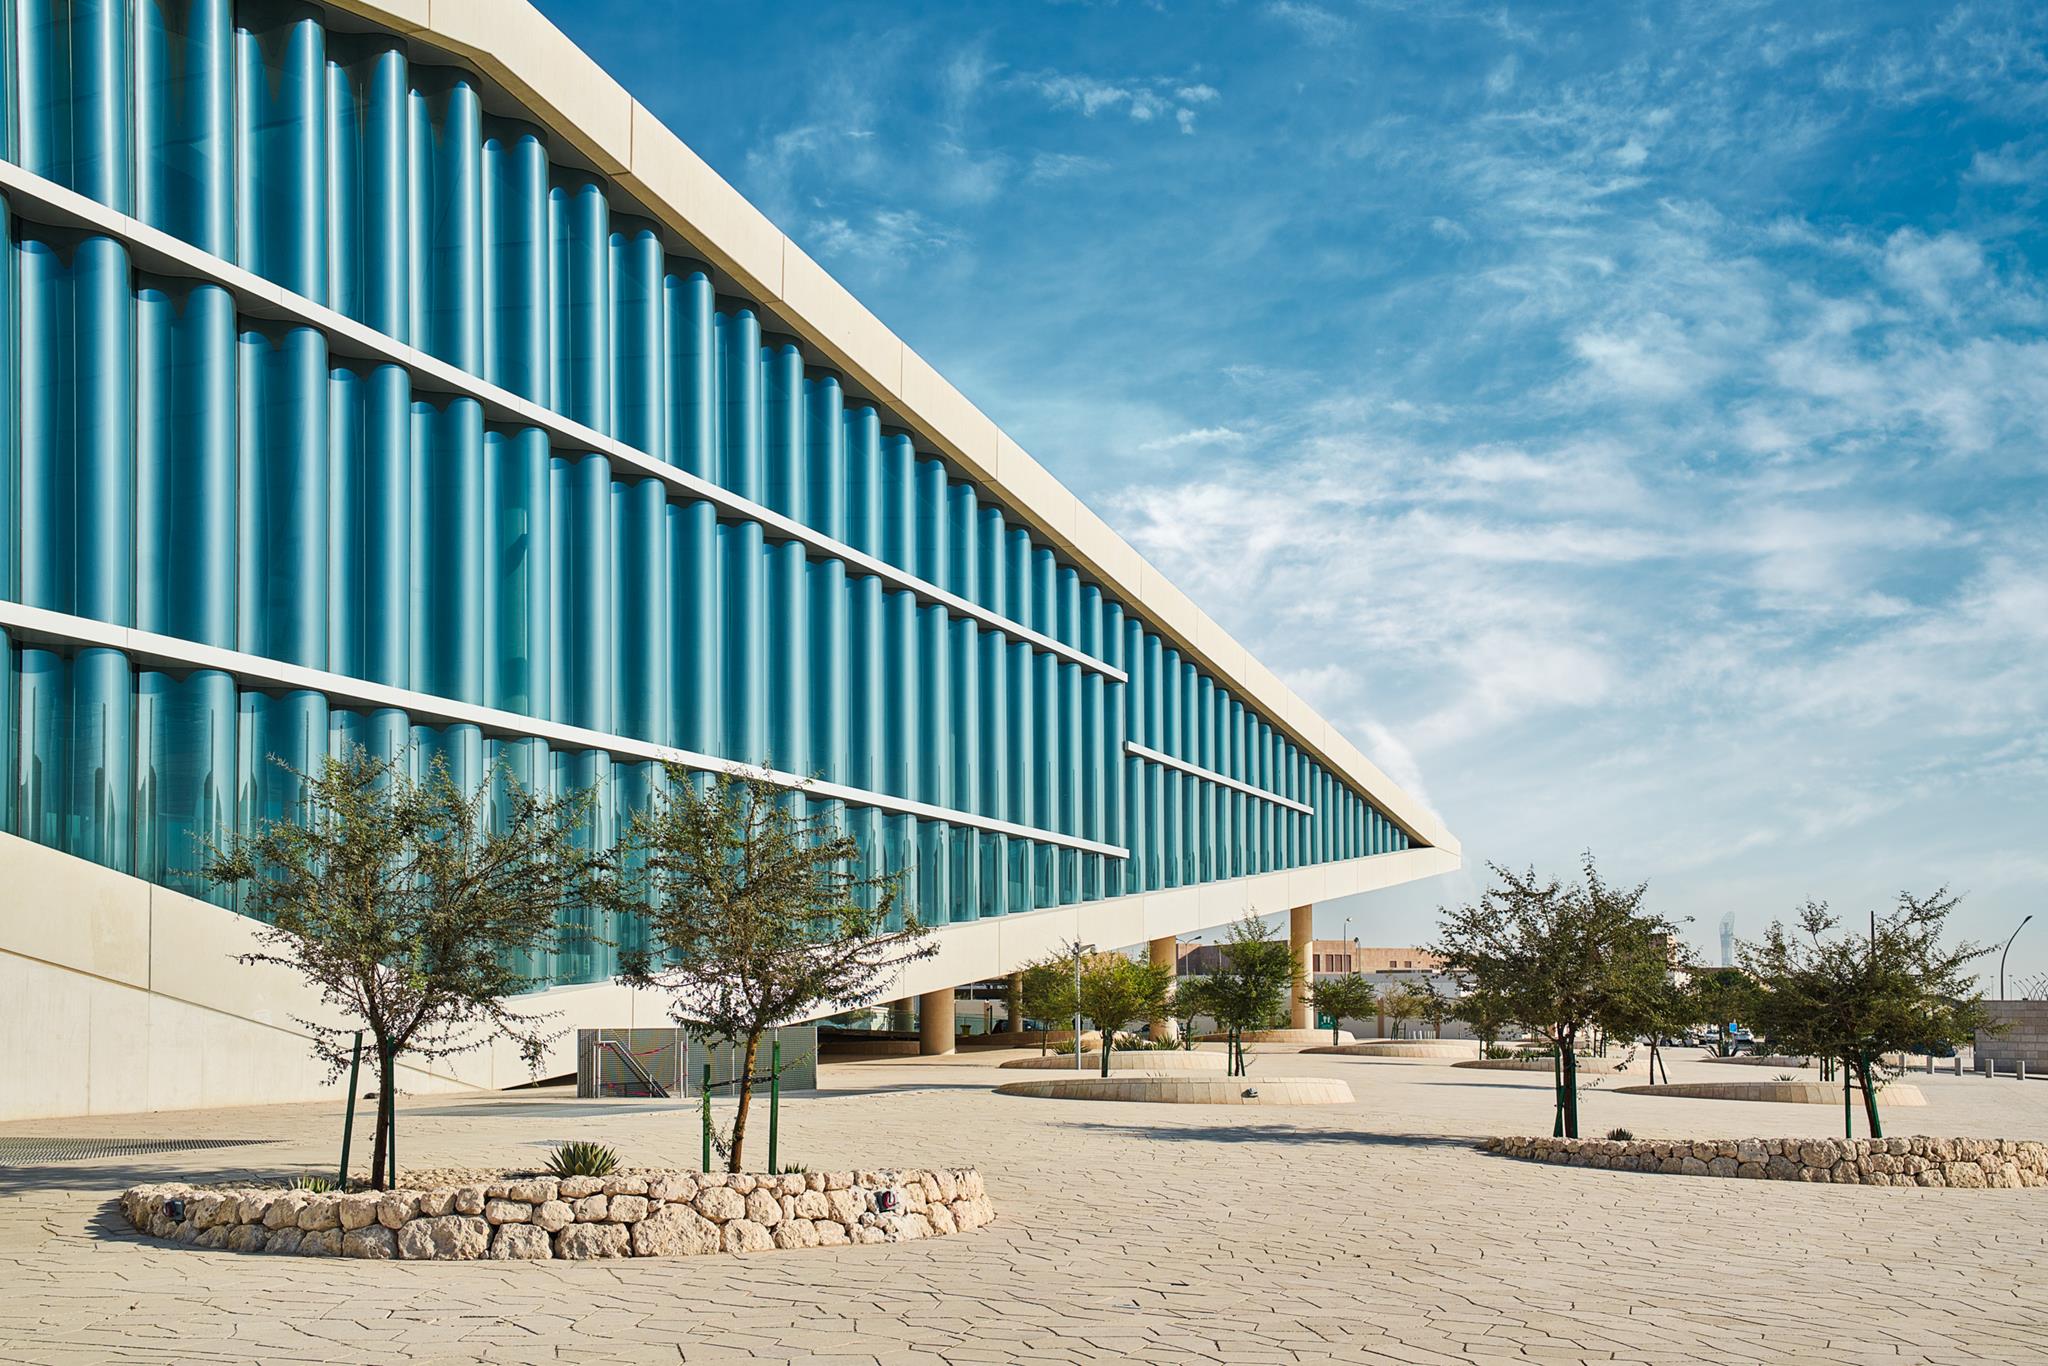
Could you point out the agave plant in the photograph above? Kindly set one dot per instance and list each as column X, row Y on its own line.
column 318, row 1185
column 582, row 1158
column 1620, row 1135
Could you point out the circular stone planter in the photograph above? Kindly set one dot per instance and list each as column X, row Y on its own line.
column 1965, row 1163
column 525, row 1217
column 1768, row 1060
column 1598, row 1067
column 1301, row 1036
column 1142, row 1060
column 1188, row 1090
column 1783, row 1092
column 1400, row 1048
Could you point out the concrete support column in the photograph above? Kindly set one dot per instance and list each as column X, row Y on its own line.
column 1301, row 933
column 935, row 1023
column 901, row 1018
column 1166, row 954
column 1015, row 1002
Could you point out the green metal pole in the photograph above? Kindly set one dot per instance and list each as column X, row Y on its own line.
column 348, row 1127
column 1848, row 1123
column 706, row 1093
column 774, row 1101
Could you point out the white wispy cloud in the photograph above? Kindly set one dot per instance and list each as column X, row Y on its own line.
column 1311, row 21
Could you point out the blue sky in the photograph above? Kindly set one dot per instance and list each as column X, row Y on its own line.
column 1627, row 422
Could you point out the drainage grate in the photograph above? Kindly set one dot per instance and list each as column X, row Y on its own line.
column 27, row 1152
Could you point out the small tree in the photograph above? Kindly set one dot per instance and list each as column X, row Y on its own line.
column 1249, row 988
column 1116, row 990
column 1400, row 1004
column 1483, row 1010
column 1434, row 1006
column 1049, row 993
column 1349, row 997
column 1720, row 997
column 407, row 904
column 1857, row 999
column 757, row 915
column 1562, row 959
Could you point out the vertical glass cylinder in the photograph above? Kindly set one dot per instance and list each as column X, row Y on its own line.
column 639, row 578
column 692, row 408
column 283, row 479
column 281, row 145
column 370, row 511
column 517, row 631
column 445, row 228
column 633, row 365
column 516, row 258
column 185, row 461
column 369, row 256
column 184, row 120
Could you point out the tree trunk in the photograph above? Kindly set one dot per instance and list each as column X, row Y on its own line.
column 739, row 1121
column 1870, row 1100
column 1571, row 1092
column 1106, row 1035
column 1556, row 1089
column 387, row 1068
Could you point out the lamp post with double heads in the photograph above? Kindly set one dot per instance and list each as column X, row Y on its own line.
column 2001, row 956
column 1079, row 949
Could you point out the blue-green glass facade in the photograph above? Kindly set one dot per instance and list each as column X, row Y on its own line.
column 178, row 464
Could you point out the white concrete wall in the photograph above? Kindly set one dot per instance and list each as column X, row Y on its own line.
column 119, row 996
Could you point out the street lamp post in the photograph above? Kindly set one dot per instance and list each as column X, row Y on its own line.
column 2001, row 956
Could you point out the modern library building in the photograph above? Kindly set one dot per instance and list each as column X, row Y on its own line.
column 384, row 373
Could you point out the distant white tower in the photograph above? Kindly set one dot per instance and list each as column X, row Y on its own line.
column 1728, row 940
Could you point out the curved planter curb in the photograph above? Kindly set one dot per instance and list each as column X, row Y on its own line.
column 642, row 1213
column 1779, row 1092
column 1281, row 1036
column 1598, row 1067
column 1183, row 1090
column 1960, row 1163
column 1141, row 1060
column 1399, row 1048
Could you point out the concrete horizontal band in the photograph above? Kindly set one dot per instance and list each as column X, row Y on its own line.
column 1211, row 776
column 38, row 624
column 41, row 199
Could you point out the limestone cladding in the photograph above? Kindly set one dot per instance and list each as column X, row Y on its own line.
column 1968, row 1163
column 464, row 1216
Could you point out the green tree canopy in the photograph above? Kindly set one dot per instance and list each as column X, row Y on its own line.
column 757, row 915
column 1349, row 997
column 1857, row 997
column 1117, row 990
column 411, row 906
column 1561, row 959
column 1249, row 988
column 1720, row 997
column 1400, row 1004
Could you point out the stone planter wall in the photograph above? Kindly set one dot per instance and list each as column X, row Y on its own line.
column 523, row 1217
column 1971, row 1163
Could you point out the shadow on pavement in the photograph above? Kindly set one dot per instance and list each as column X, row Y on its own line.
column 1277, row 1133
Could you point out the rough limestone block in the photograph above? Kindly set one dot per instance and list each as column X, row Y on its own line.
column 469, row 1200
column 592, row 1209
column 553, row 1215
column 357, row 1211
column 720, row 1203
column 507, row 1212
column 795, row 1233
column 583, row 1242
column 444, row 1238
column 576, row 1187
column 373, row 1242
column 520, row 1242
column 764, row 1209
column 324, row 1242
column 396, row 1208
column 744, row 1235
column 674, row 1231
column 627, row 1209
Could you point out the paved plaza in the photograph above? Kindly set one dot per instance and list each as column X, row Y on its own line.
column 1370, row 1232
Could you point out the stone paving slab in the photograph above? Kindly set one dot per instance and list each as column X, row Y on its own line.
column 1368, row 1232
